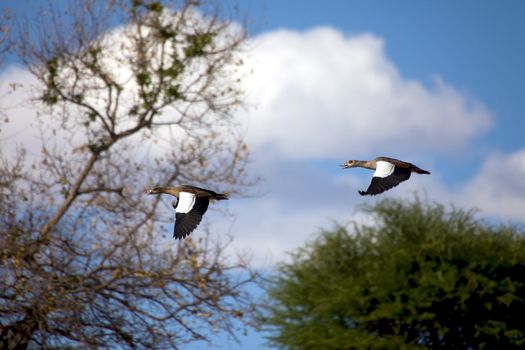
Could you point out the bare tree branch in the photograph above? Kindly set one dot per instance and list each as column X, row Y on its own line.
column 150, row 101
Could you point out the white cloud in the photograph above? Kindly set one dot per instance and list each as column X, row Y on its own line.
column 498, row 188
column 321, row 94
column 18, row 119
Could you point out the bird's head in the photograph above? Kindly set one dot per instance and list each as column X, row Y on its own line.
column 155, row 190
column 348, row 164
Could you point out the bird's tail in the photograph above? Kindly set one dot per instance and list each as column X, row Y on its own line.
column 221, row 196
column 419, row 170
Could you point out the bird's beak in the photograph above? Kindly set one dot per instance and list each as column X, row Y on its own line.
column 344, row 166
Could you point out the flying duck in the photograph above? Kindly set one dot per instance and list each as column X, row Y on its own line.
column 389, row 172
column 191, row 205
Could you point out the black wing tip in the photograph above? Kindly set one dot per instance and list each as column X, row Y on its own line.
column 182, row 233
column 366, row 193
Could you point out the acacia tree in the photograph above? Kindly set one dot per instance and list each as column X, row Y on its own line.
column 128, row 94
column 420, row 278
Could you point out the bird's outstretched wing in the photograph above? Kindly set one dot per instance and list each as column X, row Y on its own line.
column 386, row 176
column 188, row 213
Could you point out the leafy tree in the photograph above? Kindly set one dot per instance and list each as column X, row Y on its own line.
column 129, row 94
column 420, row 277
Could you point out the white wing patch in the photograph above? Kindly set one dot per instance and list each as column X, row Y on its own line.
column 384, row 169
column 185, row 203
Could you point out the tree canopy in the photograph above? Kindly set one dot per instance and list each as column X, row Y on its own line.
column 418, row 277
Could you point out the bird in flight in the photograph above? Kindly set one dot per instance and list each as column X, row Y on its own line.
column 389, row 172
column 192, row 203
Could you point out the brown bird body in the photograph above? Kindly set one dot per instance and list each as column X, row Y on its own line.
column 389, row 172
column 191, row 205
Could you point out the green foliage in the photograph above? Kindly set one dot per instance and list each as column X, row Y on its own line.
column 420, row 278
column 155, row 7
column 150, row 7
column 174, row 70
column 172, row 92
column 143, row 78
column 197, row 43
column 50, row 96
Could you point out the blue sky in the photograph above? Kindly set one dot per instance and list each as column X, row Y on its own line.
column 439, row 84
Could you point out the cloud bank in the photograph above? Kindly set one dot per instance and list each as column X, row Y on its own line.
column 321, row 94
column 498, row 188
